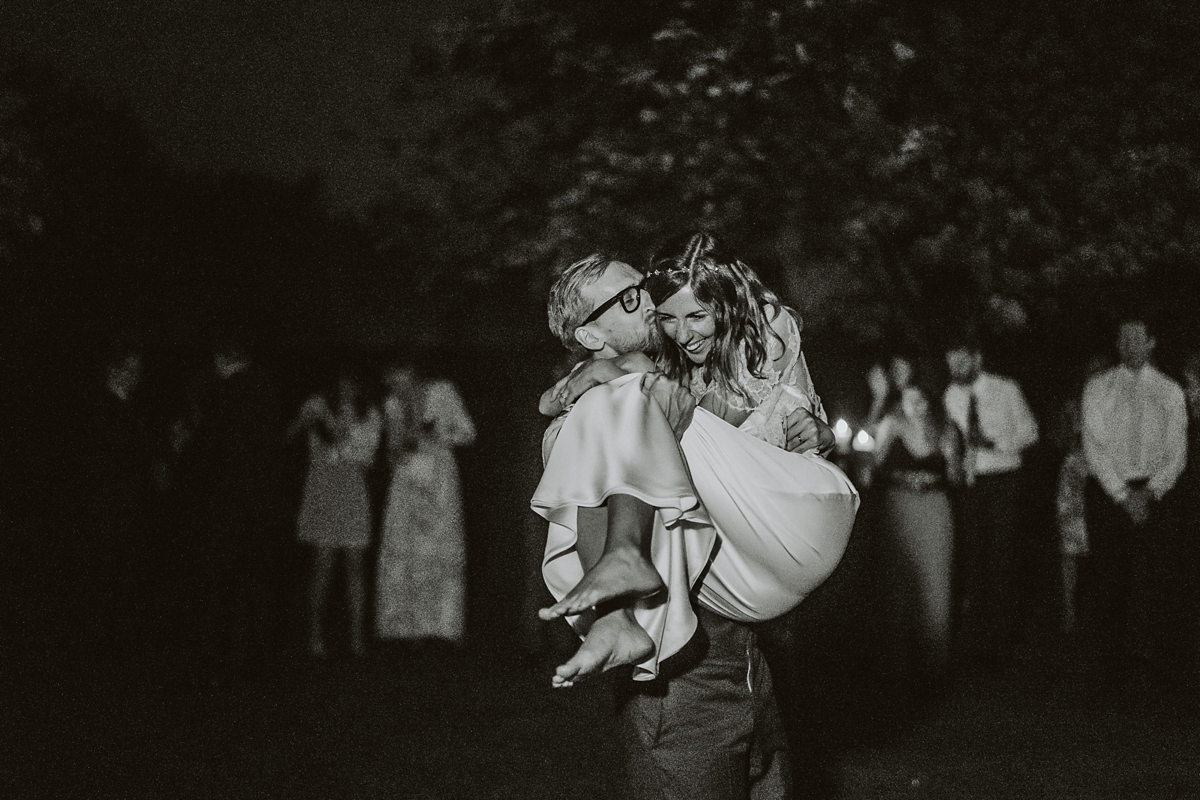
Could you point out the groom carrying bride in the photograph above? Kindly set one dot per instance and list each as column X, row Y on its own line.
column 634, row 528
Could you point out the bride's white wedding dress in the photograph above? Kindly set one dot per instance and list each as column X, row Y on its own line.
column 749, row 527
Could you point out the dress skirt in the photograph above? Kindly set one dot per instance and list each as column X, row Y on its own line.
column 421, row 579
column 921, row 526
column 336, row 509
column 751, row 528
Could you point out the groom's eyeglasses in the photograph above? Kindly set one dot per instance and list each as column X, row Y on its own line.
column 630, row 299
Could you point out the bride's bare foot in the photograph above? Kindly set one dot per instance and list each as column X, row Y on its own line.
column 614, row 640
column 622, row 572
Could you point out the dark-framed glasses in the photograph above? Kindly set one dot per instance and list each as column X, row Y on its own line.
column 630, row 299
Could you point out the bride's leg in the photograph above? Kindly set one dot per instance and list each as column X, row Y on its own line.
column 623, row 569
column 615, row 639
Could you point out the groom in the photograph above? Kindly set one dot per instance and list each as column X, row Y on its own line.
column 709, row 726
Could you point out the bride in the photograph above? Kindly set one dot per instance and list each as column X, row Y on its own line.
column 769, row 525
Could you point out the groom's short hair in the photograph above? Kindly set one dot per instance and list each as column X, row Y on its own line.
column 567, row 308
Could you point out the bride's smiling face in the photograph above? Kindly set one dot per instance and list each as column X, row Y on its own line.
column 689, row 323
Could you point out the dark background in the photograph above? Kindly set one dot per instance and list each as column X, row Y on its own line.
column 353, row 180
column 375, row 177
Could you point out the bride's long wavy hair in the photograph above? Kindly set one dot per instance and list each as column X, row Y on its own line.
column 732, row 292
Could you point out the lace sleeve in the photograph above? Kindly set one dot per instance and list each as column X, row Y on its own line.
column 802, row 383
column 781, row 391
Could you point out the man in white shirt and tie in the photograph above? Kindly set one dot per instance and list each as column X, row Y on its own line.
column 1135, row 443
column 996, row 426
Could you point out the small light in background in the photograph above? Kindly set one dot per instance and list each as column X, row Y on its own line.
column 864, row 442
column 842, row 435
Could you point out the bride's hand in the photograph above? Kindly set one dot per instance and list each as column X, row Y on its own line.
column 571, row 388
column 804, row 432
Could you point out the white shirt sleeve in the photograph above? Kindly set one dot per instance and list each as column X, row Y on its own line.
column 1174, row 442
column 1021, row 432
column 551, row 436
column 956, row 400
column 1096, row 448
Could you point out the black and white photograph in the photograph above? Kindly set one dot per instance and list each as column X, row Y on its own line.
column 558, row 400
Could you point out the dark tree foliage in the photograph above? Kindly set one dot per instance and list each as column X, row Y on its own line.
column 903, row 170
column 20, row 178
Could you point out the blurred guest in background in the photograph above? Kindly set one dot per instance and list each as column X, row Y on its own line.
column 1070, row 515
column 232, row 468
column 1135, row 443
column 421, row 584
column 343, row 432
column 1187, row 491
column 886, row 385
column 918, row 458
column 117, row 516
column 399, row 411
column 1069, row 502
column 179, row 585
column 995, row 426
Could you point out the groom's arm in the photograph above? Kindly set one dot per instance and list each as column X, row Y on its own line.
column 550, row 436
column 675, row 402
column 587, row 375
column 805, row 431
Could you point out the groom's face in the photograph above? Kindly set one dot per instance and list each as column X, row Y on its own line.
column 623, row 331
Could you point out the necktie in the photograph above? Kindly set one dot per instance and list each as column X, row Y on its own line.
column 975, row 436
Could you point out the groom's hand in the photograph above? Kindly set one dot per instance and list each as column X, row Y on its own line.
column 805, row 432
column 675, row 400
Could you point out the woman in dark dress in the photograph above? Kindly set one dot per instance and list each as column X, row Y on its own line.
column 917, row 458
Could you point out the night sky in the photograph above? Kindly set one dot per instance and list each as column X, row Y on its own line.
column 284, row 87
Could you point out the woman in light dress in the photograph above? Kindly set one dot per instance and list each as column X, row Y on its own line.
column 343, row 432
column 782, row 519
column 421, row 582
column 918, row 458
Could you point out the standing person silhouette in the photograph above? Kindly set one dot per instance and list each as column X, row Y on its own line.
column 234, row 470
column 421, row 581
column 996, row 427
column 918, row 459
column 343, row 431
column 1135, row 444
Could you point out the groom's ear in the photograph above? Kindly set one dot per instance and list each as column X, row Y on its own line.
column 588, row 338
